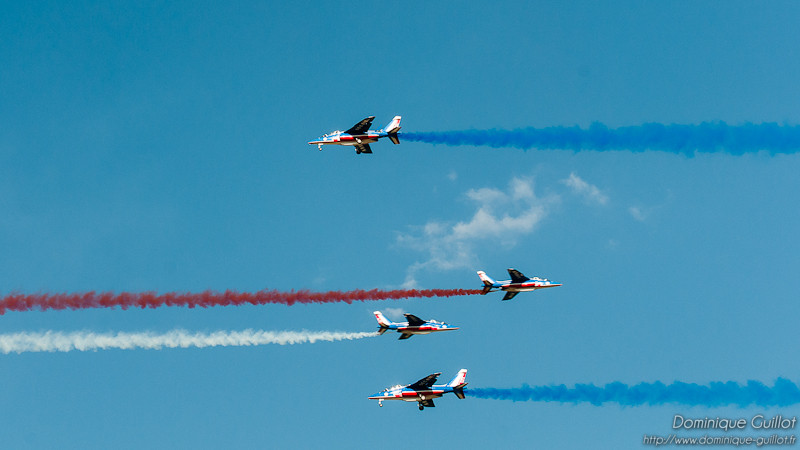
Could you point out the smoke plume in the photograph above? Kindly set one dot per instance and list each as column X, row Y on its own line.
column 124, row 300
column 782, row 393
column 56, row 341
column 674, row 138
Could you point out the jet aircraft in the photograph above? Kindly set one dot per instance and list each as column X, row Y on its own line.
column 518, row 283
column 424, row 391
column 360, row 136
column 415, row 325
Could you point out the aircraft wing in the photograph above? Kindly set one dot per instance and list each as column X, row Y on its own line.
column 363, row 148
column 517, row 276
column 427, row 403
column 509, row 295
column 361, row 127
column 425, row 383
column 405, row 335
column 414, row 321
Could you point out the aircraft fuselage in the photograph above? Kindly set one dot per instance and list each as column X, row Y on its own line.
column 518, row 283
column 410, row 395
column 340, row 138
column 415, row 325
column 425, row 329
column 360, row 136
column 424, row 391
column 528, row 286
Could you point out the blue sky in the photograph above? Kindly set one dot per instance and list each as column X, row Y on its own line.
column 162, row 146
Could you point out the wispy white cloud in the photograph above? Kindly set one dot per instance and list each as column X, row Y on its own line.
column 588, row 191
column 637, row 213
column 503, row 216
column 647, row 212
column 394, row 313
column 487, row 196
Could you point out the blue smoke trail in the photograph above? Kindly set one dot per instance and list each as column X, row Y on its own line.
column 783, row 393
column 681, row 139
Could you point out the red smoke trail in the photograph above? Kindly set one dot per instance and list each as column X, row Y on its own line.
column 125, row 300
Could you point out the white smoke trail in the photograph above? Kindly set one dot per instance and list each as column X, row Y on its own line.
column 56, row 341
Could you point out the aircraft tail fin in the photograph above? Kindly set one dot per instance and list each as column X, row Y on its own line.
column 458, row 381
column 394, row 126
column 487, row 281
column 382, row 320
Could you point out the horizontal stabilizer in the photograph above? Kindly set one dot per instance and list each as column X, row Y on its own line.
column 382, row 330
column 394, row 138
column 459, row 391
